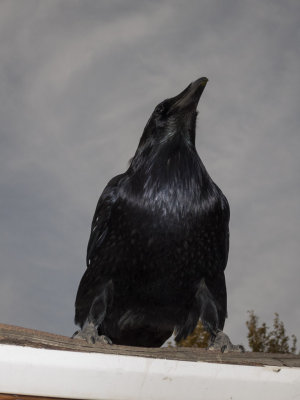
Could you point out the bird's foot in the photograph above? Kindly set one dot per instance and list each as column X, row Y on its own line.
column 90, row 333
column 221, row 342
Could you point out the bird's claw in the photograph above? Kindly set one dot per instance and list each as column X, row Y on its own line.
column 103, row 339
column 90, row 334
column 237, row 348
column 221, row 342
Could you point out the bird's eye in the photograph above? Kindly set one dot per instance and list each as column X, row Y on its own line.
column 160, row 109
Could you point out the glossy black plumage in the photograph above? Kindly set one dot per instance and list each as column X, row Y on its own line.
column 159, row 238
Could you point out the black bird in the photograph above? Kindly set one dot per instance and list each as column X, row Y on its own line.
column 159, row 241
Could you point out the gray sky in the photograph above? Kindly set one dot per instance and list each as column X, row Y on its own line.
column 79, row 80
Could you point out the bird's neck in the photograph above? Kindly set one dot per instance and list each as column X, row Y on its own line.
column 170, row 179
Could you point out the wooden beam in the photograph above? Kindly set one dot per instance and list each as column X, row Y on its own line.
column 22, row 397
column 32, row 338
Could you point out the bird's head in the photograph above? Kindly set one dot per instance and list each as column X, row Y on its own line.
column 176, row 115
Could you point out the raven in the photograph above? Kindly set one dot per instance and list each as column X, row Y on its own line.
column 159, row 241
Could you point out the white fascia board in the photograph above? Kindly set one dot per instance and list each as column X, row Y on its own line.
column 75, row 375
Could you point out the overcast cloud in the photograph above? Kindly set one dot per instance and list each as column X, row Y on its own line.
column 79, row 80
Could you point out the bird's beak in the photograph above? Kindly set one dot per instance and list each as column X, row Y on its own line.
column 189, row 98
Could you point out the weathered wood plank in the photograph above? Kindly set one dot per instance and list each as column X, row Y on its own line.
column 22, row 397
column 28, row 337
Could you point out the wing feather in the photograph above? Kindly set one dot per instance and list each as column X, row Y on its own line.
column 101, row 219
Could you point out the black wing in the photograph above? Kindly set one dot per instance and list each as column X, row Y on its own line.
column 101, row 219
column 225, row 239
column 211, row 295
column 95, row 289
